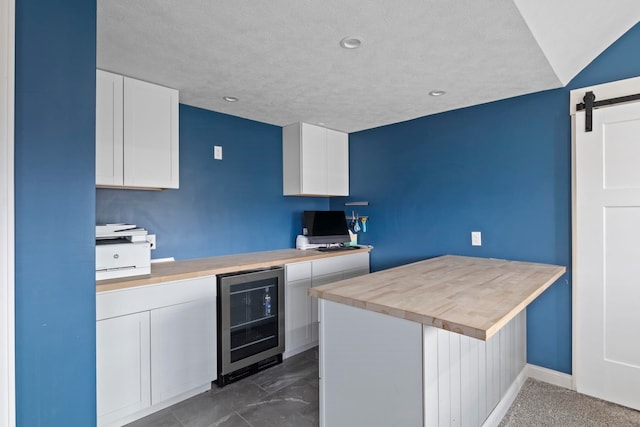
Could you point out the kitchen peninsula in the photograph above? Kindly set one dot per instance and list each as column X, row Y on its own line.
column 436, row 342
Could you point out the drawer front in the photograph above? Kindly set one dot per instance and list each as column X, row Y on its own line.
column 298, row 271
column 338, row 263
column 355, row 273
column 327, row 278
column 125, row 301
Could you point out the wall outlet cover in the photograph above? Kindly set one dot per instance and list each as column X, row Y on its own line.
column 476, row 238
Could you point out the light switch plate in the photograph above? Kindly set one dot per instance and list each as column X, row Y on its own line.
column 476, row 238
column 217, row 152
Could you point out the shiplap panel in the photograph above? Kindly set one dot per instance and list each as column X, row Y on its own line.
column 444, row 378
column 465, row 378
column 482, row 380
column 454, row 367
column 430, row 370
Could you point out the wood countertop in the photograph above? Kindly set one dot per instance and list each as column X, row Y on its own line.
column 200, row 267
column 471, row 296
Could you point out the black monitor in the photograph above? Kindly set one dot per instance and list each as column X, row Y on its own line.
column 326, row 227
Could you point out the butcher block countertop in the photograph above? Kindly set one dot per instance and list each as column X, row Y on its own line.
column 471, row 296
column 200, row 267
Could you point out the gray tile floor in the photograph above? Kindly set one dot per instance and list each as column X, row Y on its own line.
column 285, row 395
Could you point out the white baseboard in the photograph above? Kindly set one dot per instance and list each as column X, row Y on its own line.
column 501, row 409
column 550, row 376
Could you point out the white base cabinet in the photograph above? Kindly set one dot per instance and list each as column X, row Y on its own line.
column 182, row 348
column 301, row 310
column 123, row 366
column 155, row 345
column 297, row 308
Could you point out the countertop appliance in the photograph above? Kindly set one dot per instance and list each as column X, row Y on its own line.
column 122, row 250
column 250, row 319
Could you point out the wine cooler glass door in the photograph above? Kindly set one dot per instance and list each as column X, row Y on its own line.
column 254, row 321
column 251, row 318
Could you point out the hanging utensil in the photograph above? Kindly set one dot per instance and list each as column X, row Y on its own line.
column 356, row 227
column 364, row 223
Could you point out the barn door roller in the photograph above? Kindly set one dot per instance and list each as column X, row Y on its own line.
column 590, row 103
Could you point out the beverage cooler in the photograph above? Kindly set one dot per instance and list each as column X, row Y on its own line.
column 250, row 322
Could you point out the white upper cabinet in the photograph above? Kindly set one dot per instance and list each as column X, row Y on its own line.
column 109, row 136
column 136, row 133
column 315, row 161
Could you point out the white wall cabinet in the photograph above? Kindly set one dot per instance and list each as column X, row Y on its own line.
column 315, row 161
column 156, row 345
column 137, row 143
column 122, row 366
column 301, row 310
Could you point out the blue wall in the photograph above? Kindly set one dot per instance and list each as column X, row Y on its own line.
column 230, row 206
column 437, row 179
column 502, row 168
column 54, row 182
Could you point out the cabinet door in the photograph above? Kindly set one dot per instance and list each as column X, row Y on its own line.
column 150, row 135
column 314, row 160
column 337, row 163
column 122, row 366
column 319, row 281
column 183, row 354
column 109, row 137
column 297, row 316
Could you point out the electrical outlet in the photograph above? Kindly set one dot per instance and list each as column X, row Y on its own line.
column 217, row 152
column 476, row 238
column 151, row 238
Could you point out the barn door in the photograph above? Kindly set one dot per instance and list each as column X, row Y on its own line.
column 607, row 254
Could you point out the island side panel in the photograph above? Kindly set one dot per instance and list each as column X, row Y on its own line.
column 465, row 378
column 370, row 368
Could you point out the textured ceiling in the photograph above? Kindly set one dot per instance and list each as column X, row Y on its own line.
column 283, row 61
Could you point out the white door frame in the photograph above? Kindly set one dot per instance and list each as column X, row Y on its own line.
column 602, row 91
column 7, row 324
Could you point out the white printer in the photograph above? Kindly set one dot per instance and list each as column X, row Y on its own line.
column 122, row 250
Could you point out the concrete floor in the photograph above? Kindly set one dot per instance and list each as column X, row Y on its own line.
column 285, row 395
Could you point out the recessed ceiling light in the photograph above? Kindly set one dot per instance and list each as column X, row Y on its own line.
column 437, row 93
column 230, row 98
column 350, row 42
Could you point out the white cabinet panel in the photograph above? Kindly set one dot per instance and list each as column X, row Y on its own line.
column 315, row 161
column 183, row 354
column 136, row 133
column 337, row 163
column 297, row 316
column 298, row 271
column 109, row 136
column 122, row 366
column 150, row 134
column 360, row 349
column 342, row 263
